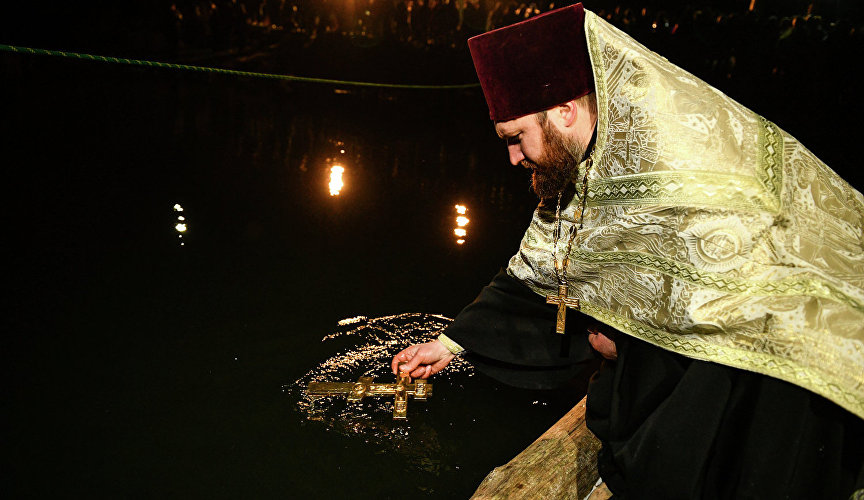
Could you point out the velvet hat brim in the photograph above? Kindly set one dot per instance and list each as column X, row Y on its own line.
column 535, row 64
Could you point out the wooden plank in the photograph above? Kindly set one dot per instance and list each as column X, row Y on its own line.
column 562, row 463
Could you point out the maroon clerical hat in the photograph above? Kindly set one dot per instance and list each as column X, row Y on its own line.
column 535, row 64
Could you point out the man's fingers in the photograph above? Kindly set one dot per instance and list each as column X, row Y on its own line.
column 421, row 372
column 410, row 364
column 394, row 363
column 403, row 357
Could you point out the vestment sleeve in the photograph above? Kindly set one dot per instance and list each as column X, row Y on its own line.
column 509, row 334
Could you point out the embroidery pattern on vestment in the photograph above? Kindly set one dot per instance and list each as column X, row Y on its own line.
column 709, row 231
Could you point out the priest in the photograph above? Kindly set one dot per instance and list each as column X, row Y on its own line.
column 715, row 264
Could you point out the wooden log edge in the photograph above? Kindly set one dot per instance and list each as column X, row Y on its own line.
column 562, row 463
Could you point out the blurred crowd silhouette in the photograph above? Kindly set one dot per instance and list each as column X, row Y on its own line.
column 223, row 24
column 744, row 42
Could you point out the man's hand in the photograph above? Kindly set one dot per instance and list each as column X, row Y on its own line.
column 423, row 360
column 602, row 344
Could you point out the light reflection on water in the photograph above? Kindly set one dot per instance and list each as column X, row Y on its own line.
column 365, row 348
column 461, row 221
column 180, row 226
column 336, row 182
column 427, row 454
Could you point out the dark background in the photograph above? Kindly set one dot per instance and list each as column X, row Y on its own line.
column 135, row 366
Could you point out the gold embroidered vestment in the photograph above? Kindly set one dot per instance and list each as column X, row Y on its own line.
column 709, row 231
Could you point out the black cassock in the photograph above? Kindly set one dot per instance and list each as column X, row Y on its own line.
column 671, row 427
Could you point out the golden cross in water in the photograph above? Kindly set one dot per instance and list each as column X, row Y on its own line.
column 563, row 301
column 365, row 387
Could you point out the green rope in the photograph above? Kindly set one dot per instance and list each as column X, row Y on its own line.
column 222, row 71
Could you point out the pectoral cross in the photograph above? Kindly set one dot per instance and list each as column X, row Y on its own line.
column 563, row 301
column 364, row 386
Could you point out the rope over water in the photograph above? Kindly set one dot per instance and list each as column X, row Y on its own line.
column 223, row 71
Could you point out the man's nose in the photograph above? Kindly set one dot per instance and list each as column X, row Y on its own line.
column 515, row 152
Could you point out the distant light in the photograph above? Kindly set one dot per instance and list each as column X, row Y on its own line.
column 177, row 207
column 181, row 218
column 342, row 151
column 460, row 232
column 180, row 227
column 462, row 221
column 351, row 321
column 460, row 209
column 336, row 183
column 460, row 242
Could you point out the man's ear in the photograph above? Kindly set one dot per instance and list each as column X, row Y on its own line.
column 566, row 113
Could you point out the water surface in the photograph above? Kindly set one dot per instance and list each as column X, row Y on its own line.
column 177, row 260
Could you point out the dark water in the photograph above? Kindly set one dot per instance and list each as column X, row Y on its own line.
column 141, row 364
column 137, row 366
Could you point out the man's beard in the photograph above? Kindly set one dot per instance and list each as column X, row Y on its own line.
column 557, row 166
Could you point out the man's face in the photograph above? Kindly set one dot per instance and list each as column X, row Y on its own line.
column 552, row 157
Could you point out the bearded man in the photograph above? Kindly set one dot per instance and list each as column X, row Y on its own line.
column 714, row 262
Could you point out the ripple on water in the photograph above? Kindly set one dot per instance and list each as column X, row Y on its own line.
column 364, row 347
